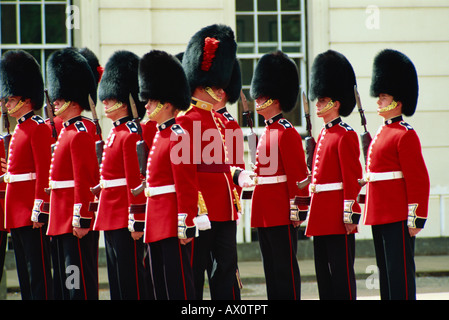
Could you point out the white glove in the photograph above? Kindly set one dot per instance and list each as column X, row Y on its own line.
column 202, row 222
column 245, row 179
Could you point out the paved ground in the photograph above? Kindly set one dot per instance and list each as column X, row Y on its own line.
column 432, row 280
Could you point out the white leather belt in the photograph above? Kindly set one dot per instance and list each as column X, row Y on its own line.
column 112, row 183
column 315, row 188
column 10, row 178
column 61, row 184
column 154, row 191
column 381, row 176
column 270, row 180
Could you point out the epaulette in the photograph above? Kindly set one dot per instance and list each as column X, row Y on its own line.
column 79, row 125
column 346, row 126
column 228, row 116
column 285, row 123
column 132, row 126
column 406, row 125
column 177, row 129
column 38, row 119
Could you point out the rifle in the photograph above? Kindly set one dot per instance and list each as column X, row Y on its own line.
column 7, row 136
column 252, row 140
column 100, row 143
column 141, row 148
column 365, row 139
column 309, row 141
column 49, row 110
column 252, row 136
column 365, row 136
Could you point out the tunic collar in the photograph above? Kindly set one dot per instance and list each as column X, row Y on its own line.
column 122, row 121
column 332, row 123
column 25, row 117
column 393, row 120
column 166, row 124
column 274, row 119
column 72, row 121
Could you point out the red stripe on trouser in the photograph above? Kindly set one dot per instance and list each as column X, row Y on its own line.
column 182, row 270
column 405, row 262
column 43, row 264
column 291, row 261
column 82, row 270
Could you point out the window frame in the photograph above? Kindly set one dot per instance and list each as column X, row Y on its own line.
column 301, row 55
column 36, row 46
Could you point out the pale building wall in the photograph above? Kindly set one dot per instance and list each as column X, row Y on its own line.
column 419, row 28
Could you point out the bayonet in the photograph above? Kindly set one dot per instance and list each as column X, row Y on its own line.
column 49, row 110
column 252, row 136
column 141, row 148
column 100, row 143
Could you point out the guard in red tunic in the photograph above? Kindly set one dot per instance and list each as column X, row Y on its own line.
column 3, row 231
column 74, row 171
column 334, row 212
column 208, row 62
column 27, row 174
column 280, row 164
column 172, row 188
column 119, row 174
column 398, row 183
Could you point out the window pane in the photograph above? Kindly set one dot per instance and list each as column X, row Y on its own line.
column 268, row 28
column 290, row 5
column 267, row 5
column 245, row 33
column 244, row 5
column 291, row 28
column 8, row 23
column 247, row 70
column 55, row 29
column 30, row 24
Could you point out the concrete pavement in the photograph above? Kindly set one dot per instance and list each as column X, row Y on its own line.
column 432, row 279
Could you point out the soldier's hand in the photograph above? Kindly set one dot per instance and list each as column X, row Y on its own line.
column 136, row 235
column 414, row 231
column 80, row 232
column 3, row 163
column 37, row 225
column 350, row 227
column 185, row 241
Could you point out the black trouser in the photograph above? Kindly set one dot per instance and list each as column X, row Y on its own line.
column 395, row 251
column 278, row 246
column 125, row 263
column 33, row 262
column 334, row 266
column 3, row 243
column 216, row 249
column 77, row 263
column 176, row 269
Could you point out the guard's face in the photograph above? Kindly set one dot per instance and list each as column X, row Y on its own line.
column 384, row 100
column 321, row 105
column 12, row 104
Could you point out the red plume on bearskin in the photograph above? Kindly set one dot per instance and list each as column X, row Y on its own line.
column 210, row 47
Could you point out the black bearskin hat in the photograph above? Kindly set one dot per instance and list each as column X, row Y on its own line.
column 395, row 74
column 70, row 77
column 333, row 77
column 94, row 64
column 120, row 78
column 276, row 77
column 209, row 57
column 20, row 75
column 162, row 78
column 235, row 84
